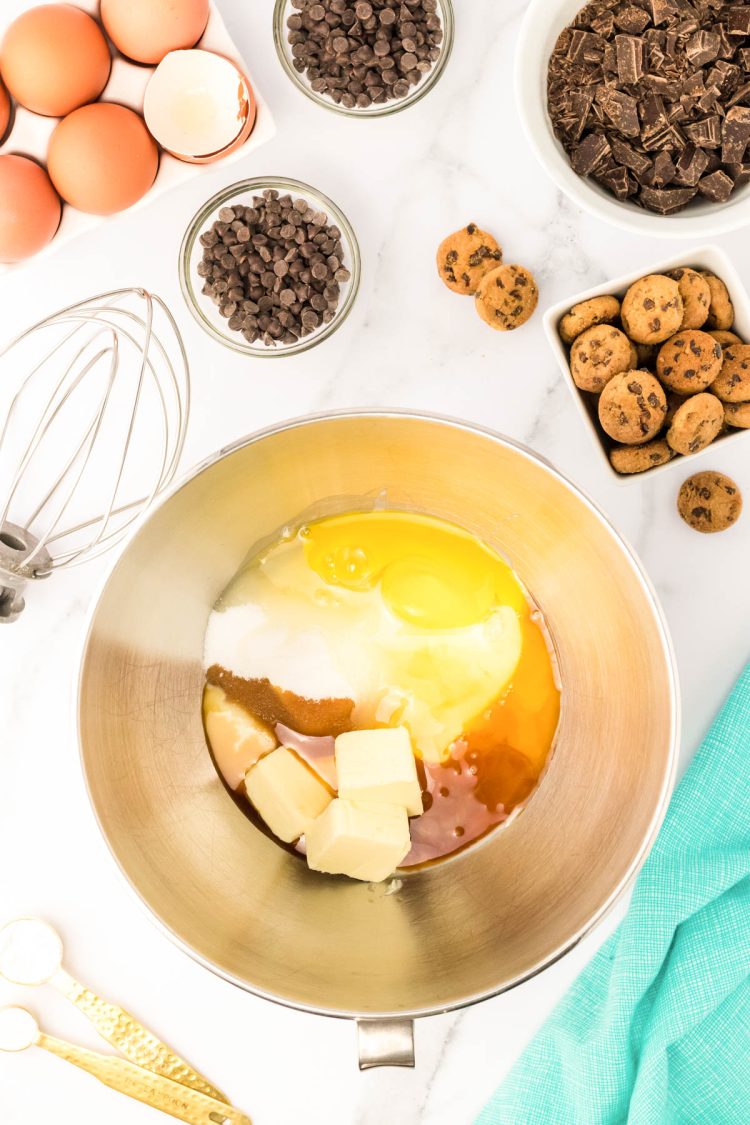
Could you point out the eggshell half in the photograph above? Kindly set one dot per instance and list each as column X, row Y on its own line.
column 146, row 30
column 102, row 158
column 55, row 58
column 199, row 106
column 29, row 208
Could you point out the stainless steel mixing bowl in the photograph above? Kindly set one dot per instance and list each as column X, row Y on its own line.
column 467, row 928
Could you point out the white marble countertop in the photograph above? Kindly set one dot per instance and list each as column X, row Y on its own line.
column 404, row 182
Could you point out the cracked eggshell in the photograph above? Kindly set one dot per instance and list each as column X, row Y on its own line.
column 199, row 106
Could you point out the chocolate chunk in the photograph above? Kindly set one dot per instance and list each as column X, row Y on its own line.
column 717, row 187
column 657, row 131
column 653, row 114
column 663, row 171
column 740, row 173
column 709, row 99
column 666, row 201
column 625, row 154
column 705, row 133
column 725, row 76
column 585, row 47
column 632, row 20
column 590, row 152
column 737, row 21
column 703, row 47
column 621, row 110
column 603, row 24
column 735, row 135
column 629, row 59
column 691, row 164
column 580, row 105
column 618, row 181
column 663, row 10
column 693, row 87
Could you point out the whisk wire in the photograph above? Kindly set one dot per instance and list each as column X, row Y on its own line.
column 77, row 456
column 54, row 405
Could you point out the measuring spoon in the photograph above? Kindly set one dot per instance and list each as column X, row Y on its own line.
column 31, row 953
column 19, row 1030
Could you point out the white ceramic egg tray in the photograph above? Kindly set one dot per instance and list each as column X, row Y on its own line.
column 30, row 133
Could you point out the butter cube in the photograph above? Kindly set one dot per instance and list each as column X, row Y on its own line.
column 378, row 767
column 362, row 841
column 286, row 793
column 236, row 737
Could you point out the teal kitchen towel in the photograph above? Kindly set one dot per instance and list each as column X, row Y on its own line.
column 656, row 1030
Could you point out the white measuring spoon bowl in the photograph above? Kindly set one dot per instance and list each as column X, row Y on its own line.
column 18, row 1029
column 31, row 951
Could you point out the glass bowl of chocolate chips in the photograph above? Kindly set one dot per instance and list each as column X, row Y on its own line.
column 364, row 58
column 639, row 110
column 270, row 267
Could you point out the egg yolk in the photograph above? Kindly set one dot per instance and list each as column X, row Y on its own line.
column 431, row 575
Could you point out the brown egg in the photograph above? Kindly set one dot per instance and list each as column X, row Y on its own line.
column 55, row 58
column 29, row 208
column 4, row 111
column 102, row 158
column 146, row 30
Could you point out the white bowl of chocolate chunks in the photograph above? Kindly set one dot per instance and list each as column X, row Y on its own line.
column 639, row 110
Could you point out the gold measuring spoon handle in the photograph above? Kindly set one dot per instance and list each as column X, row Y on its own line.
column 125, row 1033
column 146, row 1086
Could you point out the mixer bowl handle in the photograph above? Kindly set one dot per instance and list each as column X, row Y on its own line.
column 385, row 1043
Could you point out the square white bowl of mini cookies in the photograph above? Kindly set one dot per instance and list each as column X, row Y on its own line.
column 709, row 258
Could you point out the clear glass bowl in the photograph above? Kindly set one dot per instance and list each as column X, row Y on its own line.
column 284, row 9
column 207, row 313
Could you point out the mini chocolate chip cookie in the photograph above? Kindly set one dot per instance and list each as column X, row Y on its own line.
column 632, row 407
column 689, row 362
column 463, row 258
column 652, row 309
column 629, row 459
column 724, row 338
column 696, row 297
column 695, row 425
column 733, row 382
column 597, row 355
column 587, row 314
column 709, row 502
column 721, row 311
column 737, row 414
column 507, row 297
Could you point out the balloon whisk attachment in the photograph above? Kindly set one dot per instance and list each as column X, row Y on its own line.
column 94, row 407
